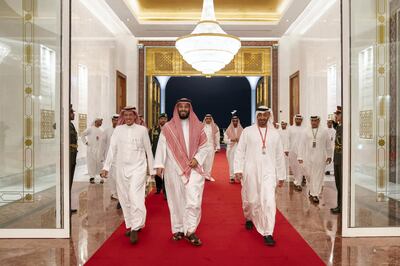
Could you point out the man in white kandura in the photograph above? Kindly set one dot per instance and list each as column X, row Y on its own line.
column 130, row 150
column 231, row 139
column 105, row 143
column 212, row 132
column 91, row 137
column 295, row 135
column 181, row 150
column 284, row 133
column 332, row 136
column 315, row 152
column 260, row 164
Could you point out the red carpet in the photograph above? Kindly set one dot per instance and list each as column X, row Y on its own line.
column 225, row 240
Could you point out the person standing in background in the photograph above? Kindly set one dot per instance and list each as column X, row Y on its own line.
column 154, row 136
column 91, row 137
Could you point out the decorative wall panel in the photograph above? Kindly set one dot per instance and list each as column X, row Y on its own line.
column 82, row 123
column 366, row 124
column 248, row 62
column 47, row 120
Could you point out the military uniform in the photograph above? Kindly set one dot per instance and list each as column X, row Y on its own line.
column 154, row 136
column 337, row 163
column 73, row 151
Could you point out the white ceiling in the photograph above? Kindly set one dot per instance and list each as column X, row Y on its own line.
column 173, row 30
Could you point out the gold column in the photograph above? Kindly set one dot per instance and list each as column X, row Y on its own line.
column 28, row 103
column 149, row 108
column 382, row 94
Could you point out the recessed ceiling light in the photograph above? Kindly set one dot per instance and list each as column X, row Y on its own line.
column 287, row 20
column 127, row 19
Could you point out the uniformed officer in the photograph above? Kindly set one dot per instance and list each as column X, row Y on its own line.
column 73, row 148
column 337, row 161
column 154, row 135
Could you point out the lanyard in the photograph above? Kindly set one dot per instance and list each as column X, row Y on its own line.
column 315, row 134
column 263, row 138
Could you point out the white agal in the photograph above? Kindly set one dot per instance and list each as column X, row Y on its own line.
column 208, row 48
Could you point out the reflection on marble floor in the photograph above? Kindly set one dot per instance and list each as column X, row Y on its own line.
column 98, row 217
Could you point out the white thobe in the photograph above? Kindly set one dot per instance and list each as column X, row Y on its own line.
column 260, row 175
column 284, row 133
column 130, row 150
column 294, row 139
column 211, row 149
column 92, row 136
column 184, row 198
column 314, row 158
column 332, row 136
column 112, row 174
column 230, row 152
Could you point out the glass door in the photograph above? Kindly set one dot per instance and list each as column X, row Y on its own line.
column 34, row 81
column 371, row 35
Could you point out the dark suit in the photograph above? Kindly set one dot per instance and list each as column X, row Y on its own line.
column 337, row 163
column 154, row 136
column 73, row 151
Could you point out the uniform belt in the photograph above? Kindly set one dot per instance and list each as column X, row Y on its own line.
column 73, row 146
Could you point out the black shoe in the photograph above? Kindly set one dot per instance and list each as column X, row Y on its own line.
column 327, row 173
column 269, row 241
column 102, row 181
column 128, row 232
column 315, row 199
column 178, row 236
column 193, row 239
column 133, row 237
column 336, row 210
column 91, row 180
column 73, row 211
column 304, row 181
column 249, row 225
column 118, row 206
column 298, row 188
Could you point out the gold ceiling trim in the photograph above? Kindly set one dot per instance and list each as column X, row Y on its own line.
column 190, row 10
column 249, row 61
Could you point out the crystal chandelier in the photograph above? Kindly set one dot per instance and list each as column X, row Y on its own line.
column 208, row 48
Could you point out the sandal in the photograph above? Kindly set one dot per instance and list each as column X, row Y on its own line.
column 177, row 236
column 193, row 239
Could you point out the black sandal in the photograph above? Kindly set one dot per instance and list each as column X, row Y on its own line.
column 177, row 236
column 193, row 239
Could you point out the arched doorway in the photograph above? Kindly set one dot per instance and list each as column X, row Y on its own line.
column 162, row 59
column 223, row 95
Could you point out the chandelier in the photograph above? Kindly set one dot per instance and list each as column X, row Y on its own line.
column 208, row 48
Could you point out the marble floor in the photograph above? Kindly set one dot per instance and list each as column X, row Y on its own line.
column 98, row 217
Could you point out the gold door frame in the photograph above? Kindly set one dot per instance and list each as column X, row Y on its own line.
column 166, row 61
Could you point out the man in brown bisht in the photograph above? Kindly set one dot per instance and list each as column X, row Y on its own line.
column 181, row 151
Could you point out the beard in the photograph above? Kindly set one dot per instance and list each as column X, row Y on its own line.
column 262, row 122
column 183, row 115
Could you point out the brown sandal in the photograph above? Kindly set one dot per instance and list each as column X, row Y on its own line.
column 177, row 236
column 193, row 239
